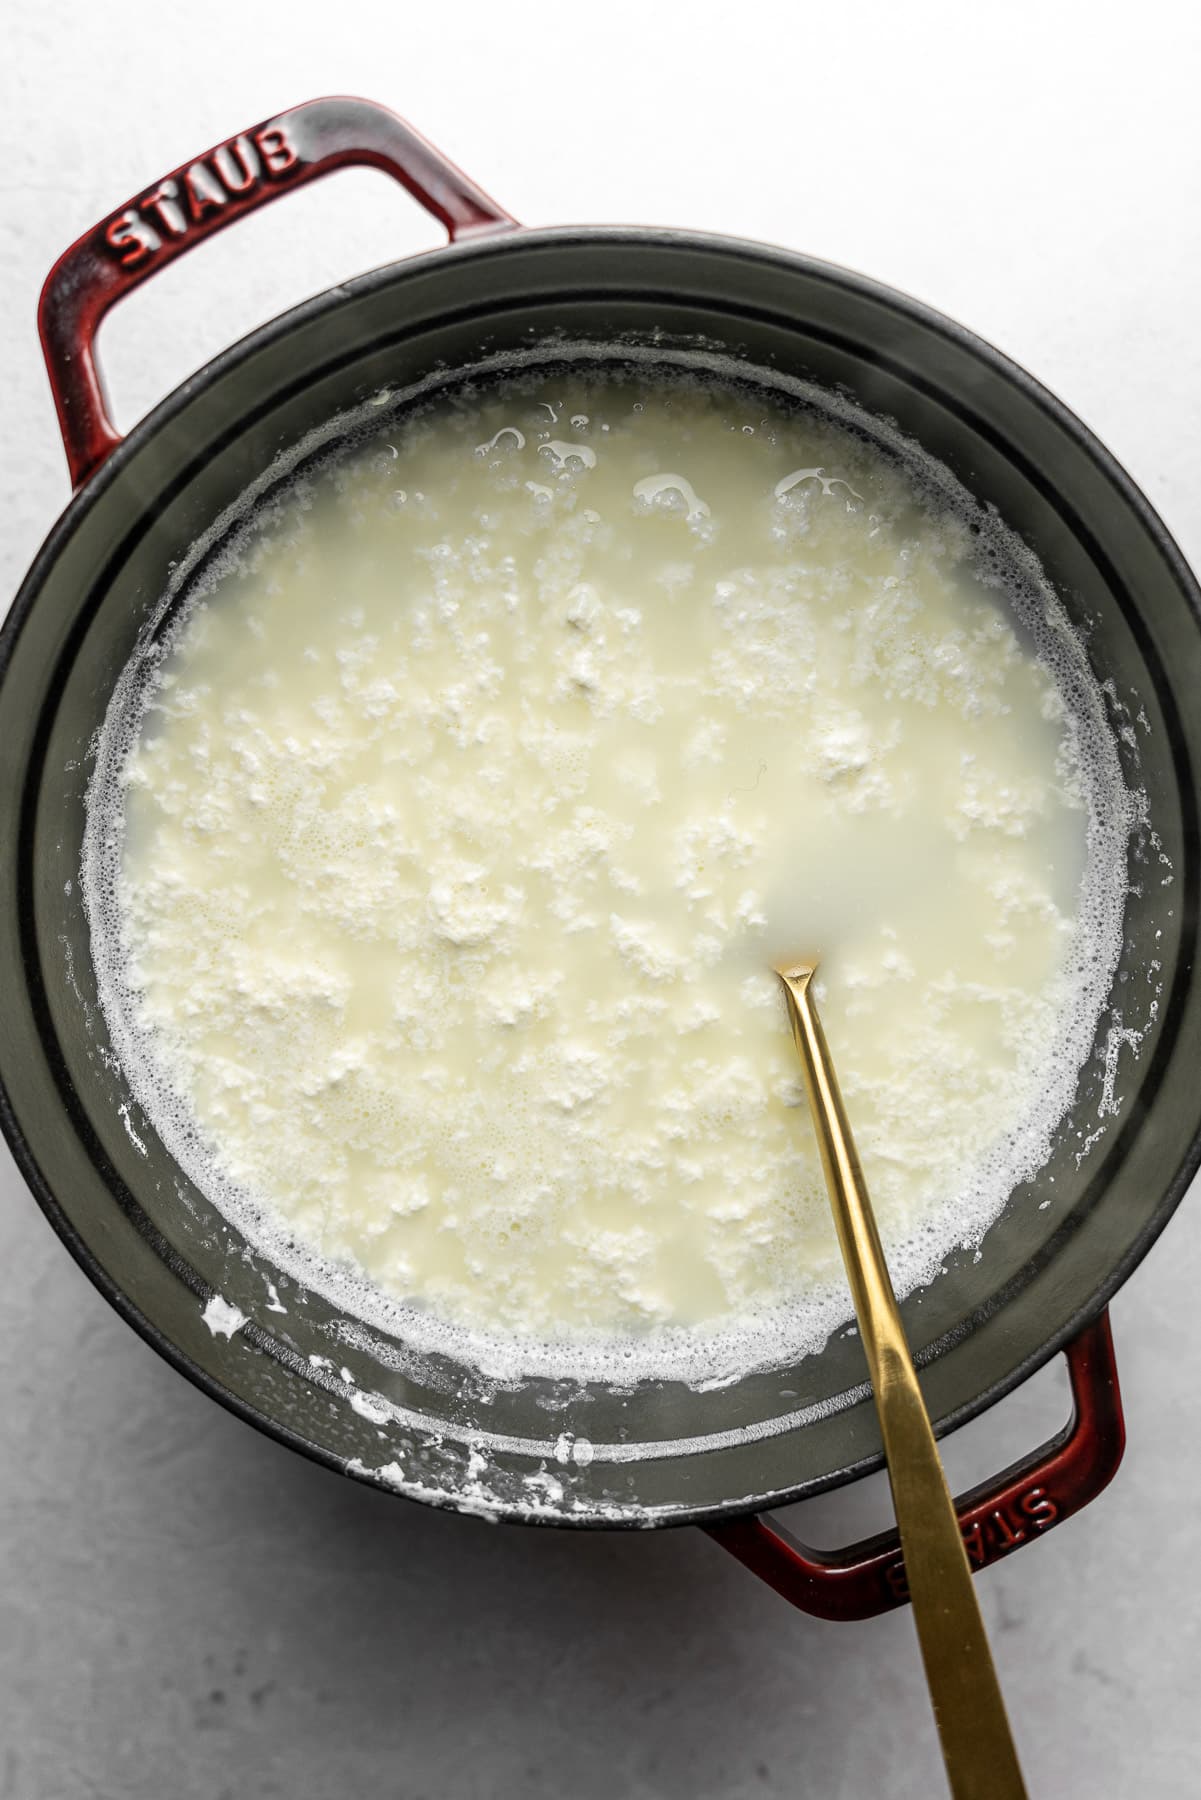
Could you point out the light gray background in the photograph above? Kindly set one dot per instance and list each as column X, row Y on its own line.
column 187, row 1610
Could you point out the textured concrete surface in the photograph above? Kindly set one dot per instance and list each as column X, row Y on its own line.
column 188, row 1612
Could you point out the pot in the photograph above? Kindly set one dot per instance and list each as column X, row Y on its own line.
column 652, row 1452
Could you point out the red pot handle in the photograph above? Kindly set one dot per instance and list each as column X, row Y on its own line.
column 996, row 1518
column 203, row 196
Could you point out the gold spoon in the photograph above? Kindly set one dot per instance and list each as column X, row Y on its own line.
column 977, row 1747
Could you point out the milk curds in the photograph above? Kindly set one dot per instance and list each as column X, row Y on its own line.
column 459, row 822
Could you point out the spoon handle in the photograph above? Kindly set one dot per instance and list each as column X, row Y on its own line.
column 977, row 1746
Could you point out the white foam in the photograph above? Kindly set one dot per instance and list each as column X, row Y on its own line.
column 222, row 1317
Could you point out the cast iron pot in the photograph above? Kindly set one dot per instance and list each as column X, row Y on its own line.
column 655, row 1452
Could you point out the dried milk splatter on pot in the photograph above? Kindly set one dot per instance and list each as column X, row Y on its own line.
column 462, row 812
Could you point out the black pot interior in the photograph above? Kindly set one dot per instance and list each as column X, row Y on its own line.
column 661, row 1452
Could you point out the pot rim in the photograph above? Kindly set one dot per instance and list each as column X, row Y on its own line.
column 739, row 250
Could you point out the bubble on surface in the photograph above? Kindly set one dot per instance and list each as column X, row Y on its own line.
column 653, row 488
